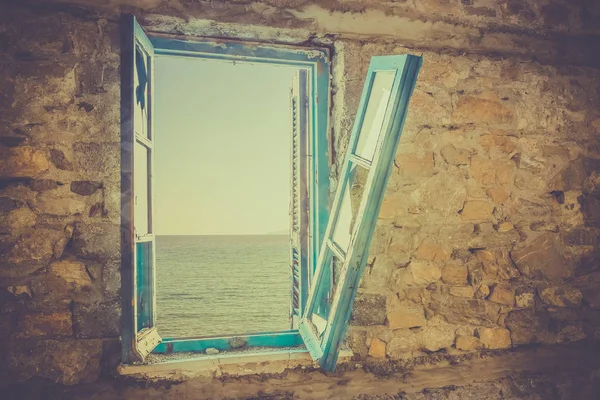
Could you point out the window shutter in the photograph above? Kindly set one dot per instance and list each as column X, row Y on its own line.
column 299, row 210
column 139, row 332
column 368, row 163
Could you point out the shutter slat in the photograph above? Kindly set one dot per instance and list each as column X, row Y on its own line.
column 298, row 197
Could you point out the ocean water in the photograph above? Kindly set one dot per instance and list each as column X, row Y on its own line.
column 217, row 285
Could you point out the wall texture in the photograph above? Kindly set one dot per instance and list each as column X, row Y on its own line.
column 487, row 238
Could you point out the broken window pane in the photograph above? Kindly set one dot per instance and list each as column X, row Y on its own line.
column 324, row 300
column 141, row 89
column 141, row 190
column 350, row 202
column 373, row 119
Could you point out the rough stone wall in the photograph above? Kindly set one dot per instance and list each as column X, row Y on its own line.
column 60, row 195
column 487, row 237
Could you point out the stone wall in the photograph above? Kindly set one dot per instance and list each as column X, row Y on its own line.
column 487, row 238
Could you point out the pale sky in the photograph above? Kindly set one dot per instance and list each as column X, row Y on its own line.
column 222, row 147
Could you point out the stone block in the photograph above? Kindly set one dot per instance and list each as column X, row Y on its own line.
column 459, row 310
column 411, row 165
column 494, row 338
column 24, row 161
column 19, row 219
column 59, row 203
column 580, row 237
column 377, row 348
column 499, row 194
column 424, row 273
column 60, row 161
column 409, row 316
column 41, row 185
column 98, row 241
column 430, row 251
column 34, row 245
column 85, row 188
column 65, row 362
column 543, row 226
column 430, row 338
column 542, row 259
column 496, row 264
column 357, row 340
column 483, row 170
column 454, row 156
column 498, row 142
column 570, row 177
column 455, row 273
column 503, row 294
column 561, row 296
column 528, row 326
column 45, row 325
column 443, row 194
column 477, row 211
column 590, row 206
column 403, row 342
column 72, row 272
column 589, row 284
column 462, row 291
column 434, row 338
column 467, row 343
column 482, row 109
column 505, row 227
column 7, row 205
column 368, row 310
column 525, row 298
column 97, row 320
column 22, row 291
column 98, row 159
column 111, row 278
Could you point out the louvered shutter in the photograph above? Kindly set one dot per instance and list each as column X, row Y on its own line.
column 299, row 210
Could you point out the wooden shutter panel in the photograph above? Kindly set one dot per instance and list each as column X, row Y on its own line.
column 138, row 278
column 367, row 165
column 299, row 212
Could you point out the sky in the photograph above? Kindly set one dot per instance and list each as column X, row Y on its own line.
column 222, row 147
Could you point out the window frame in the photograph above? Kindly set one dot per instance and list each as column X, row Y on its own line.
column 317, row 62
column 323, row 336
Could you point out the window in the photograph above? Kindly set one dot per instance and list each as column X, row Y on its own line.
column 328, row 253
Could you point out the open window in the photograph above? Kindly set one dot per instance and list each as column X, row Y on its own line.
column 327, row 254
column 137, row 237
column 365, row 172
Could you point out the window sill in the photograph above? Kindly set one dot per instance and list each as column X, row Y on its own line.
column 231, row 363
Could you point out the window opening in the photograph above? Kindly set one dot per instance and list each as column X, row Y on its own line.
column 330, row 254
column 222, row 188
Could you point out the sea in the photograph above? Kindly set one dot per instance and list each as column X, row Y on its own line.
column 219, row 285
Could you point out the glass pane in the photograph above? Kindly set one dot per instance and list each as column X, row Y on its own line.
column 375, row 112
column 342, row 232
column 324, row 300
column 141, row 88
column 145, row 284
column 140, row 190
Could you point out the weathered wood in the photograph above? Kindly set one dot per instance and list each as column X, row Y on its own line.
column 382, row 147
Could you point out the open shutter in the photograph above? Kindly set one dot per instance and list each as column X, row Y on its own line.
column 365, row 172
column 299, row 209
column 139, row 333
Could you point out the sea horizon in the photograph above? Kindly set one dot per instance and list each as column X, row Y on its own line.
column 222, row 284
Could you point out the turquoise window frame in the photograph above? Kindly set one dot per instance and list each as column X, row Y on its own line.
column 317, row 62
column 323, row 335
